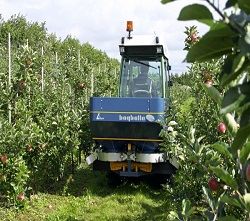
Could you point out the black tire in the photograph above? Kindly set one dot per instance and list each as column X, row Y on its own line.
column 113, row 179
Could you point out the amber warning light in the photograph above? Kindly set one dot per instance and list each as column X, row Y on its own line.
column 129, row 26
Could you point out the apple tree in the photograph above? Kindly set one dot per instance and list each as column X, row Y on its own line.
column 227, row 39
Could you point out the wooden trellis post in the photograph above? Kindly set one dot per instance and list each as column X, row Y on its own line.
column 86, row 95
column 56, row 58
column 92, row 83
column 9, row 80
column 79, row 59
column 42, row 73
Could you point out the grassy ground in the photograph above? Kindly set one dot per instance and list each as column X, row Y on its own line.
column 86, row 196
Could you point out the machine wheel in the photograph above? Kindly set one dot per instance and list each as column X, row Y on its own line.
column 113, row 179
column 156, row 181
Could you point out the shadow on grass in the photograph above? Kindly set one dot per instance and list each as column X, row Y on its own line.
column 86, row 181
column 154, row 212
column 132, row 200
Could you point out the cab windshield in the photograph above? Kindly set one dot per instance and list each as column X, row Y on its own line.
column 141, row 78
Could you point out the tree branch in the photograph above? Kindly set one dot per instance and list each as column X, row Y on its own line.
column 216, row 9
column 232, row 24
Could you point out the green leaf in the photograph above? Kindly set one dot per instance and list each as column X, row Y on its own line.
column 238, row 63
column 245, row 152
column 244, row 5
column 215, row 43
column 207, row 49
column 233, row 67
column 244, row 44
column 225, row 176
column 227, row 218
column 231, row 123
column 247, row 36
column 186, row 205
column 213, row 93
column 240, row 138
column 246, row 198
column 228, row 64
column 187, row 209
column 209, row 198
column 166, row 1
column 232, row 100
column 245, row 118
column 222, row 148
column 245, row 88
column 220, row 29
column 173, row 215
column 245, row 102
column 230, row 200
column 244, row 131
column 196, row 12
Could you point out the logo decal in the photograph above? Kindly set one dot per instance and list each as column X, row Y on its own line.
column 131, row 117
column 98, row 117
column 150, row 118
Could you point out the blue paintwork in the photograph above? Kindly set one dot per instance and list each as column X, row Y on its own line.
column 127, row 109
column 122, row 146
column 117, row 109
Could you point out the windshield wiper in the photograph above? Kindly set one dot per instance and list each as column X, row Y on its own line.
column 139, row 62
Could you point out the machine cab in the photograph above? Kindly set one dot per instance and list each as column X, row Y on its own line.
column 144, row 68
column 126, row 129
column 143, row 77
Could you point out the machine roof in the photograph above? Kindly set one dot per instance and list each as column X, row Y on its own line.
column 137, row 40
column 143, row 40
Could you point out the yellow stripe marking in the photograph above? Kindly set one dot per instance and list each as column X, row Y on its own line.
column 146, row 167
column 130, row 139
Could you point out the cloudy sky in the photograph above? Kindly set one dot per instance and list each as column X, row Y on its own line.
column 102, row 23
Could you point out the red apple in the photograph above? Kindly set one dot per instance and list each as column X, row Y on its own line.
column 21, row 84
column 4, row 159
column 222, row 128
column 213, row 184
column 81, row 86
column 248, row 172
column 29, row 148
column 20, row 197
column 194, row 37
column 209, row 82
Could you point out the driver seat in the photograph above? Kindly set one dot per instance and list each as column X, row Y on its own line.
column 142, row 86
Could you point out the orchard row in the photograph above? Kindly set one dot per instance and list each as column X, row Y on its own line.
column 45, row 87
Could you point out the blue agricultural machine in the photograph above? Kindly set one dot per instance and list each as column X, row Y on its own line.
column 126, row 128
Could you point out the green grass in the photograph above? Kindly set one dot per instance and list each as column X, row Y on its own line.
column 86, row 196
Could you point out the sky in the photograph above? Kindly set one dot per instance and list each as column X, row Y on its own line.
column 102, row 23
